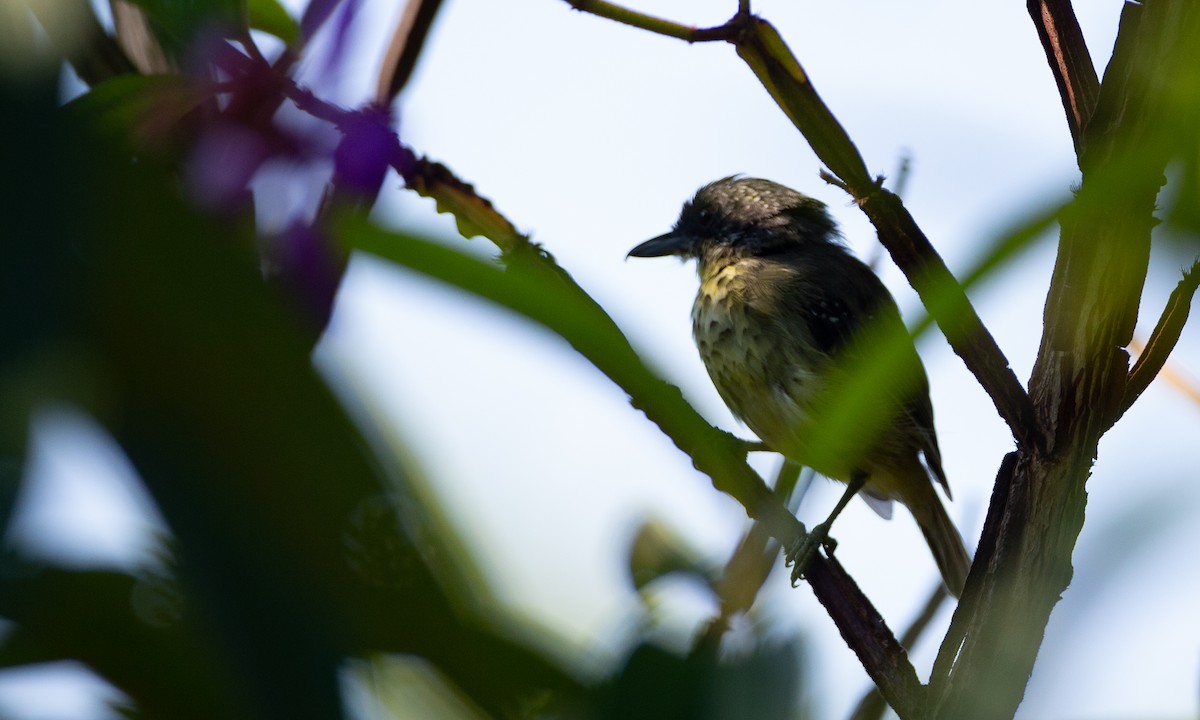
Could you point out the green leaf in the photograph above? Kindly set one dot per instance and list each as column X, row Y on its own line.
column 533, row 286
column 138, row 110
column 176, row 23
column 271, row 17
column 767, row 683
column 132, row 631
column 296, row 546
column 473, row 214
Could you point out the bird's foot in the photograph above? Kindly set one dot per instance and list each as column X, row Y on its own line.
column 800, row 555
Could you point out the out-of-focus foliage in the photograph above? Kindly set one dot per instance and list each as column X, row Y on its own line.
column 136, row 288
column 300, row 548
column 288, row 547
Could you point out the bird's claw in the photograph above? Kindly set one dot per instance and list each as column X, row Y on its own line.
column 800, row 554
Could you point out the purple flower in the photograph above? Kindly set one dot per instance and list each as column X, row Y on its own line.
column 308, row 269
column 368, row 147
column 224, row 158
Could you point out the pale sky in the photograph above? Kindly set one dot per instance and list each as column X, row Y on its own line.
column 590, row 135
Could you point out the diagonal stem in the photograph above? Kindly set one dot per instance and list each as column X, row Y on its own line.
column 535, row 286
column 762, row 48
column 872, row 706
column 408, row 40
column 948, row 304
column 1163, row 339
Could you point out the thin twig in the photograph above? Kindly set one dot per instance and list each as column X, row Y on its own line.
column 903, row 171
column 137, row 40
column 1163, row 339
column 659, row 26
column 749, row 565
column 777, row 68
column 408, row 40
column 760, row 45
column 1175, row 376
column 946, row 301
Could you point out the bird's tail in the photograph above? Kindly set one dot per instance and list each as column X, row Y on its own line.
column 948, row 550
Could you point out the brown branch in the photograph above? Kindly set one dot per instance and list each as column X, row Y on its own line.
column 750, row 564
column 943, row 296
column 1080, row 378
column 760, row 45
column 983, row 563
column 860, row 624
column 763, row 49
column 90, row 50
column 884, row 658
column 717, row 454
column 873, row 706
column 1163, row 339
column 137, row 40
column 1070, row 62
column 408, row 39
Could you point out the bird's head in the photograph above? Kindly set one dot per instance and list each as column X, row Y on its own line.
column 743, row 217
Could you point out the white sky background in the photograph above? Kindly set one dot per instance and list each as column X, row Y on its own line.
column 590, row 135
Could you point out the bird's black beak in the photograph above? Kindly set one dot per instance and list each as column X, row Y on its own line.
column 669, row 244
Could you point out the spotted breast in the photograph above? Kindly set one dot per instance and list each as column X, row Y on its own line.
column 756, row 369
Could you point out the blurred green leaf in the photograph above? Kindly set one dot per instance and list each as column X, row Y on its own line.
column 291, row 545
column 657, row 551
column 532, row 285
column 846, row 426
column 655, row 683
column 177, row 23
column 165, row 662
column 285, row 527
column 272, row 17
column 142, row 111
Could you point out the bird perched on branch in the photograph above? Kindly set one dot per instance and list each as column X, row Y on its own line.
column 806, row 346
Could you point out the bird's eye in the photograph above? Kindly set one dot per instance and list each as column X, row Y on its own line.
column 704, row 216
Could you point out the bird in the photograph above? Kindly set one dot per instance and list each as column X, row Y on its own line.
column 807, row 347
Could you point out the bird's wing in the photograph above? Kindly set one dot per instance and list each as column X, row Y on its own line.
column 848, row 338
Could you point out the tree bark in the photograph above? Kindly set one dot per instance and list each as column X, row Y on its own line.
column 1079, row 379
